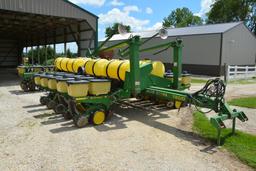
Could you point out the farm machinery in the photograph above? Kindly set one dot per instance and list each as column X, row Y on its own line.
column 26, row 72
column 84, row 89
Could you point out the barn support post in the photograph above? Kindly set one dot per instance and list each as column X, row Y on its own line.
column 32, row 50
column 65, row 41
column 45, row 46
column 54, row 43
column 78, row 40
column 96, row 36
column 225, row 72
column 38, row 57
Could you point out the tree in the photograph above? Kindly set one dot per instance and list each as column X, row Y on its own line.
column 114, row 29
column 38, row 55
column 223, row 11
column 182, row 17
column 70, row 54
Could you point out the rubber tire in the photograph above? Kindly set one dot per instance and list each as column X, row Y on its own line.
column 51, row 104
column 43, row 100
column 109, row 115
column 31, row 85
column 24, row 86
column 67, row 115
column 59, row 109
column 92, row 116
column 80, row 121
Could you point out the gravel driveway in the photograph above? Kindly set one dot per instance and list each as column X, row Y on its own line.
column 33, row 138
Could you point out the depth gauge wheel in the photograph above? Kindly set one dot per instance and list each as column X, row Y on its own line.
column 98, row 117
column 177, row 104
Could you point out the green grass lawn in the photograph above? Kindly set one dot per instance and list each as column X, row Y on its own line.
column 243, row 145
column 243, row 81
column 198, row 80
column 249, row 102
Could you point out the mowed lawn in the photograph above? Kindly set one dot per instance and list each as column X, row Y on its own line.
column 241, row 144
column 249, row 102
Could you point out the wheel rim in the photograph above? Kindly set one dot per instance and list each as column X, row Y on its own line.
column 178, row 104
column 98, row 117
column 82, row 121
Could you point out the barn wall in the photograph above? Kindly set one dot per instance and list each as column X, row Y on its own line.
column 9, row 53
column 201, row 53
column 239, row 46
column 59, row 8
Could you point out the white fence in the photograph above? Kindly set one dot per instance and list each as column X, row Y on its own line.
column 240, row 72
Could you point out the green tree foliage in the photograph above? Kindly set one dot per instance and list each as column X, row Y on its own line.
column 39, row 53
column 114, row 29
column 232, row 11
column 70, row 54
column 182, row 17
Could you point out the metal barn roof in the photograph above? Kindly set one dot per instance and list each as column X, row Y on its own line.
column 193, row 30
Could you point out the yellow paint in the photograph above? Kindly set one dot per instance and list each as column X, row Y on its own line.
column 62, row 86
column 78, row 90
column 52, row 84
column 186, row 79
column 177, row 104
column 44, row 82
column 98, row 117
column 113, row 68
column 63, row 64
column 70, row 65
column 100, row 68
column 21, row 70
column 89, row 66
column 37, row 80
column 79, row 62
column 99, row 88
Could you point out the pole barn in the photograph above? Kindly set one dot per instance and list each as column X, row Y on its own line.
column 28, row 23
column 206, row 49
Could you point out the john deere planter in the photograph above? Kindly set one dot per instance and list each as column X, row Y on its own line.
column 84, row 89
column 27, row 73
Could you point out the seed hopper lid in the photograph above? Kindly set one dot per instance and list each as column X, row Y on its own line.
column 99, row 80
column 49, row 73
column 38, row 74
column 45, row 76
column 69, row 75
column 64, row 79
column 78, row 82
column 54, row 77
column 59, row 73
column 84, row 78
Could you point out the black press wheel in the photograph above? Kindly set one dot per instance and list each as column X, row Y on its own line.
column 51, row 104
column 24, row 85
column 43, row 100
column 67, row 115
column 59, row 109
column 31, row 85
